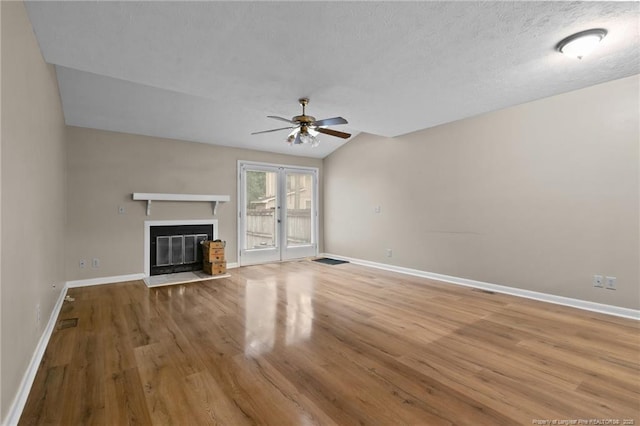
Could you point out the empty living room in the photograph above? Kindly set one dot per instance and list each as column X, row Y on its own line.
column 319, row 213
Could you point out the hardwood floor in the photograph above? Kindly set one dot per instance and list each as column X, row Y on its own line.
column 302, row 343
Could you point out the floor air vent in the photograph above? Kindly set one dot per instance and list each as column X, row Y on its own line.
column 67, row 323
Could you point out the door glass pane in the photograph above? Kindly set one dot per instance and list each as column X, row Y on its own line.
column 299, row 200
column 260, row 226
column 177, row 249
column 200, row 238
column 190, row 254
column 162, row 251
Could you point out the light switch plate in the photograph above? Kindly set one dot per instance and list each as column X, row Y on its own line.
column 610, row 282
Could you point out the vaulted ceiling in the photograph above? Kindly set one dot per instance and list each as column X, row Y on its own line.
column 212, row 71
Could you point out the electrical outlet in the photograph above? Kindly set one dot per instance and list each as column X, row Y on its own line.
column 597, row 281
column 376, row 209
column 38, row 314
column 95, row 263
column 611, row 283
column 82, row 263
column 389, row 252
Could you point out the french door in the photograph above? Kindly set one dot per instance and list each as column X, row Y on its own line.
column 277, row 212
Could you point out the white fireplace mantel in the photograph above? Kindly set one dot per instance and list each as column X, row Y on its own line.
column 149, row 197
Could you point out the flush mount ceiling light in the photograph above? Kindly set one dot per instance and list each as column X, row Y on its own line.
column 580, row 44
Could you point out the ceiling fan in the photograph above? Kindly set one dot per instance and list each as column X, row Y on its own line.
column 306, row 128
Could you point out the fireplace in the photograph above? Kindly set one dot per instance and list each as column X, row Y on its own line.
column 174, row 246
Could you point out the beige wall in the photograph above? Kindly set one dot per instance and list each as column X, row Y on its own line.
column 540, row 196
column 105, row 168
column 33, row 196
column 1, row 386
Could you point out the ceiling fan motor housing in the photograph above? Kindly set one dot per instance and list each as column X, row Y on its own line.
column 303, row 119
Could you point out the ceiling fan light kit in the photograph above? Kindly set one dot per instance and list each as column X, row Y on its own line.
column 581, row 44
column 306, row 128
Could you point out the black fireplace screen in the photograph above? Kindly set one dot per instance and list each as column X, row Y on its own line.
column 177, row 248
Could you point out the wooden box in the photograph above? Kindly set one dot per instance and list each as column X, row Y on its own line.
column 213, row 256
column 213, row 245
column 215, row 268
column 213, row 251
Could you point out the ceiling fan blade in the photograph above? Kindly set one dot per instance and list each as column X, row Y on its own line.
column 330, row 121
column 273, row 130
column 275, row 117
column 332, row 132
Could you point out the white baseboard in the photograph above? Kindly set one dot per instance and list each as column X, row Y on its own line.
column 232, row 265
column 15, row 410
column 544, row 297
column 104, row 280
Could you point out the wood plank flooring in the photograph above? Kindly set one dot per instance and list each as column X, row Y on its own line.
column 301, row 343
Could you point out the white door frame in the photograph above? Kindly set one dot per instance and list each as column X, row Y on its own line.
column 284, row 253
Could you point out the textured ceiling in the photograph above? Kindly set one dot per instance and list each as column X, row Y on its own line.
column 212, row 71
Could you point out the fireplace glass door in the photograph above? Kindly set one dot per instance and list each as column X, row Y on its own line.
column 177, row 248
